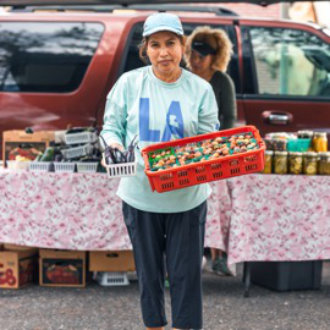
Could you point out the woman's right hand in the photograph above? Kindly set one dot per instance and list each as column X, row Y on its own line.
column 117, row 145
column 113, row 145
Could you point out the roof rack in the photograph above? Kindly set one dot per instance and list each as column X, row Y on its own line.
column 219, row 11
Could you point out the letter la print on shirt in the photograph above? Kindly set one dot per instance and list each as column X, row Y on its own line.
column 173, row 126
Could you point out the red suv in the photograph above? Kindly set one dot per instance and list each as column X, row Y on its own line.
column 57, row 67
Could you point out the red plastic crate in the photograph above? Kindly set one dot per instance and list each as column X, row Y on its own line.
column 210, row 170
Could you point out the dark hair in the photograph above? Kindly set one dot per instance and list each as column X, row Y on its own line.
column 144, row 44
column 143, row 50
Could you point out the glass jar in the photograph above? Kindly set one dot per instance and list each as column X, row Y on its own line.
column 324, row 163
column 320, row 142
column 268, row 162
column 310, row 163
column 281, row 162
column 305, row 134
column 295, row 162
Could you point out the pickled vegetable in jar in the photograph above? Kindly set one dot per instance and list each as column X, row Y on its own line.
column 295, row 162
column 310, row 163
column 268, row 161
column 320, row 142
column 324, row 163
column 280, row 162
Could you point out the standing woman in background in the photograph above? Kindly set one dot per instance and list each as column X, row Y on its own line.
column 208, row 53
column 161, row 102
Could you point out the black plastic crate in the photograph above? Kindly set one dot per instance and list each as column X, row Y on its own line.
column 287, row 275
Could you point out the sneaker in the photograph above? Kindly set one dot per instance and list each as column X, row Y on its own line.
column 216, row 266
column 219, row 266
column 224, row 268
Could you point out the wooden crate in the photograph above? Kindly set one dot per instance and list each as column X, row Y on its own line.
column 13, row 139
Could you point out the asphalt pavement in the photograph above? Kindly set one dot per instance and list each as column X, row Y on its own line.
column 103, row 308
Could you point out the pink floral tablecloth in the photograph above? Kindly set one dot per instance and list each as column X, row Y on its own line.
column 279, row 217
column 78, row 212
column 254, row 217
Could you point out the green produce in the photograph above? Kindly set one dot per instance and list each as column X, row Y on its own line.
column 48, row 155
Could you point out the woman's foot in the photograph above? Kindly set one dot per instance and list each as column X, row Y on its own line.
column 219, row 266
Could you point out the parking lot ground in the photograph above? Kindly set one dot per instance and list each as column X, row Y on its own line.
column 103, row 308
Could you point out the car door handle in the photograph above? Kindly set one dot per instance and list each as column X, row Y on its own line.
column 274, row 117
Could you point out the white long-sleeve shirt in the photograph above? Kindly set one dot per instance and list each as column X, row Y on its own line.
column 140, row 103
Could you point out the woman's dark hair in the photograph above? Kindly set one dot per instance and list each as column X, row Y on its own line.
column 143, row 49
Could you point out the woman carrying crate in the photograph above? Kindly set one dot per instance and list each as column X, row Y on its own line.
column 162, row 102
column 208, row 54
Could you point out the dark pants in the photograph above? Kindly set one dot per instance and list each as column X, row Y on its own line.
column 177, row 239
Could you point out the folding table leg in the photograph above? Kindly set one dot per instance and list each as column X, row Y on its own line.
column 246, row 278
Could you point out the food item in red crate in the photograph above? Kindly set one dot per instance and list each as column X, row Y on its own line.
column 201, row 151
column 234, row 152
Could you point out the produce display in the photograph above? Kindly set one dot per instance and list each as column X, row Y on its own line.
column 82, row 147
column 116, row 156
column 23, row 146
column 64, row 274
column 304, row 152
column 24, row 152
column 119, row 163
column 203, row 158
column 77, row 149
column 202, row 151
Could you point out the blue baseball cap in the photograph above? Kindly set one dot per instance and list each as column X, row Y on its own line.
column 162, row 22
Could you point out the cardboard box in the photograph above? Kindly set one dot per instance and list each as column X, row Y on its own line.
column 14, row 247
column 17, row 268
column 13, row 139
column 62, row 268
column 111, row 261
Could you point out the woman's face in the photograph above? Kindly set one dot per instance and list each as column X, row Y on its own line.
column 200, row 64
column 165, row 51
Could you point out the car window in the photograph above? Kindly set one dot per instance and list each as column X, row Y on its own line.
column 290, row 62
column 46, row 57
column 132, row 53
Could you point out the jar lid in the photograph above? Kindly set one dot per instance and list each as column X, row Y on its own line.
column 269, row 152
column 324, row 155
column 281, row 153
column 309, row 133
column 295, row 153
column 311, row 154
column 320, row 134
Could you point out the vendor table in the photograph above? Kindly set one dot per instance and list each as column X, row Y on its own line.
column 278, row 218
column 254, row 217
column 80, row 212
